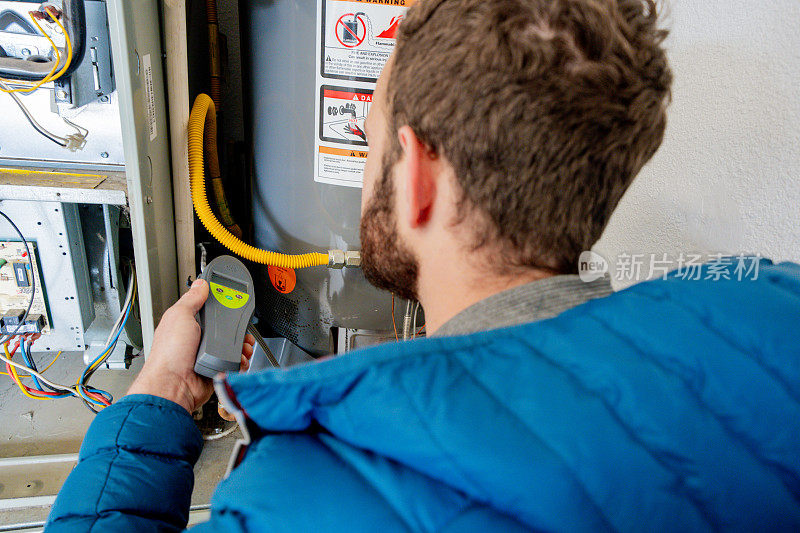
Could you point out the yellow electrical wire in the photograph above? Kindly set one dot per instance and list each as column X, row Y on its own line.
column 43, row 80
column 45, row 368
column 50, row 76
column 51, row 362
column 17, row 380
column 203, row 117
column 99, row 360
column 67, row 41
column 97, row 363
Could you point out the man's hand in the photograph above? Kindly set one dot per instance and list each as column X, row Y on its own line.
column 169, row 369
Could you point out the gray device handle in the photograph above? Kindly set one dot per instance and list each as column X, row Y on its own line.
column 224, row 326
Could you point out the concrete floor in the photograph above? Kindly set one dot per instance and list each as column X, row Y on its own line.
column 38, row 428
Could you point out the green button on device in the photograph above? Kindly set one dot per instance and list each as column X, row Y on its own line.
column 225, row 316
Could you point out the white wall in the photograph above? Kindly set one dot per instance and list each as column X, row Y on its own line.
column 727, row 178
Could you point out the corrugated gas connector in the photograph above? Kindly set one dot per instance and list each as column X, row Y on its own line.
column 341, row 259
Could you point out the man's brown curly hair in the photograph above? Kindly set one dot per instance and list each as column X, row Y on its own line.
column 547, row 110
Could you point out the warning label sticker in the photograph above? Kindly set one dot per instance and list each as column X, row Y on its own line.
column 342, row 113
column 283, row 279
column 340, row 167
column 358, row 36
column 150, row 98
column 355, row 38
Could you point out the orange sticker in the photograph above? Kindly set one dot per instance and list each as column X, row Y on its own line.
column 283, row 279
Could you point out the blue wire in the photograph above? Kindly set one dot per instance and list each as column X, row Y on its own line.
column 30, row 364
column 29, row 361
column 92, row 400
column 108, row 348
column 101, row 392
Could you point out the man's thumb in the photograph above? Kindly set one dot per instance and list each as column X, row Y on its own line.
column 196, row 296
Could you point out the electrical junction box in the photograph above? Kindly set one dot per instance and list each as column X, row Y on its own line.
column 64, row 297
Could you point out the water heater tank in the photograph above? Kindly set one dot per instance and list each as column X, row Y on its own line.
column 309, row 71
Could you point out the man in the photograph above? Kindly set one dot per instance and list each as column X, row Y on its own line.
column 503, row 134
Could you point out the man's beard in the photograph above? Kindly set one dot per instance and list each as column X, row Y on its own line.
column 386, row 261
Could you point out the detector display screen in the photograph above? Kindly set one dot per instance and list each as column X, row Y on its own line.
column 227, row 282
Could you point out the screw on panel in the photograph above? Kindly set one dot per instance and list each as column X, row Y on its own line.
column 104, row 155
column 104, row 99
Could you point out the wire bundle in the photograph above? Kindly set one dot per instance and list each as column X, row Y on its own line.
column 83, row 383
column 43, row 388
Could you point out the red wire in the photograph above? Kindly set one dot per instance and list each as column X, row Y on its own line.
column 11, row 374
column 32, row 391
column 100, row 398
column 93, row 395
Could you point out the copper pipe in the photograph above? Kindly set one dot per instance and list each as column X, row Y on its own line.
column 214, row 56
column 210, row 140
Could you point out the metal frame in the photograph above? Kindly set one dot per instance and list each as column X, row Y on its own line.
column 134, row 36
column 33, row 481
column 94, row 78
column 108, row 291
column 98, row 111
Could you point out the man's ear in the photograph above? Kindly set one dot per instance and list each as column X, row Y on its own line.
column 420, row 178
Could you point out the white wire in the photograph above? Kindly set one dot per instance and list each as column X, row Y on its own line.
column 128, row 298
column 32, row 372
column 73, row 389
column 223, row 434
column 38, row 127
column 83, row 132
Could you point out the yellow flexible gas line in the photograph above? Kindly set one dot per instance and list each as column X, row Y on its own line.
column 203, row 116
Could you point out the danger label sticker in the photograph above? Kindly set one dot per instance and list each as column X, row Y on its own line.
column 358, row 36
column 338, row 166
column 342, row 113
column 354, row 39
